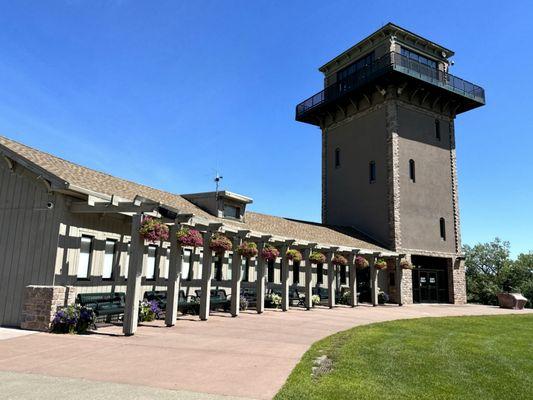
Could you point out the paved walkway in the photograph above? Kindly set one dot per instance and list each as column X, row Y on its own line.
column 248, row 357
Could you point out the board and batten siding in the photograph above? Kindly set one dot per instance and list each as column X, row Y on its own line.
column 28, row 238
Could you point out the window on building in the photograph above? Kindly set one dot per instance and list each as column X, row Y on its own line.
column 85, row 258
column 186, row 265
column 296, row 272
column 232, row 211
column 411, row 55
column 150, row 262
column 218, row 268
column 109, row 259
column 412, row 170
column 246, row 274
column 320, row 273
column 342, row 274
column 167, row 264
column 337, row 157
column 127, row 261
column 270, row 271
column 437, row 129
column 361, row 64
column 442, row 224
column 372, row 171
column 392, row 280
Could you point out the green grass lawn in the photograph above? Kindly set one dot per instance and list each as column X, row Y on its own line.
column 431, row 358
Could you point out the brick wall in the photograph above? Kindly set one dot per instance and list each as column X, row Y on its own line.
column 40, row 304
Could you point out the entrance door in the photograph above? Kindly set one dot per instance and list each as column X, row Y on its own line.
column 428, row 282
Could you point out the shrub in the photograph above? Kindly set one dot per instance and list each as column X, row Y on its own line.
column 220, row 244
column 272, row 300
column 248, row 250
column 317, row 257
column 148, row 311
column 340, row 260
column 315, row 299
column 190, row 237
column 153, row 230
column 381, row 264
column 361, row 262
column 243, row 304
column 269, row 252
column 73, row 319
column 345, row 298
column 294, row 255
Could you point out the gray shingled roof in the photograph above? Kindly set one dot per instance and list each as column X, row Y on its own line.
column 106, row 184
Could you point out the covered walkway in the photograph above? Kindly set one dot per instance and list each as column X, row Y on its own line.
column 248, row 357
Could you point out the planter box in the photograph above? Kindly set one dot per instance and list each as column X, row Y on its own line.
column 513, row 301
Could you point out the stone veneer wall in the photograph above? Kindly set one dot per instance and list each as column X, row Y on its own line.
column 457, row 281
column 40, row 304
column 407, row 286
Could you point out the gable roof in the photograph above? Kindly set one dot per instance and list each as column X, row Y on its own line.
column 75, row 175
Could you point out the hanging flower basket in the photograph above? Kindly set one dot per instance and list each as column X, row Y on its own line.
column 340, row 260
column 190, row 237
column 220, row 244
column 404, row 264
column 269, row 252
column 248, row 250
column 153, row 230
column 294, row 255
column 361, row 262
column 317, row 257
column 381, row 264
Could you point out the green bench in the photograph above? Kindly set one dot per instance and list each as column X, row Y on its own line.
column 219, row 299
column 186, row 305
column 103, row 304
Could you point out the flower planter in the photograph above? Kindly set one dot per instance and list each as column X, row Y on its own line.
column 269, row 252
column 404, row 264
column 294, row 255
column 248, row 250
column 340, row 260
column 317, row 257
column 190, row 237
column 153, row 230
column 361, row 262
column 220, row 244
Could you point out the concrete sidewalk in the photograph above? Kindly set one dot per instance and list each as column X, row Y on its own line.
column 248, row 357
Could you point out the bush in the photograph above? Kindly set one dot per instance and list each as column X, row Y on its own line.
column 272, row 300
column 149, row 311
column 345, row 298
column 315, row 300
column 73, row 319
column 243, row 304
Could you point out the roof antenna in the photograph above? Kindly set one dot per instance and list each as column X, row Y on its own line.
column 218, row 178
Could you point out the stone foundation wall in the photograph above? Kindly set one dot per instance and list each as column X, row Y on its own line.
column 40, row 304
column 457, row 282
column 407, row 286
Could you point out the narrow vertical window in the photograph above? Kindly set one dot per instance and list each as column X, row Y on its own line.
column 84, row 260
column 186, row 265
column 109, row 259
column 412, row 175
column 437, row 129
column 372, row 171
column 342, row 273
column 246, row 274
column 337, row 157
column 218, row 268
column 127, row 261
column 296, row 272
column 150, row 263
column 270, row 274
column 320, row 273
column 442, row 224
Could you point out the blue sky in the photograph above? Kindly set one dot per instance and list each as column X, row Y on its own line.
column 166, row 93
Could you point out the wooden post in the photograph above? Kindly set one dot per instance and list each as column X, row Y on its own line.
column 207, row 270
column 353, row 278
column 260, row 279
column 174, row 276
column 133, row 291
column 331, row 277
column 374, row 279
column 236, row 277
column 308, row 277
column 284, row 268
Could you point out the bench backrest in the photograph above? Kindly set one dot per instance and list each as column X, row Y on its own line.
column 93, row 299
column 215, row 293
column 162, row 295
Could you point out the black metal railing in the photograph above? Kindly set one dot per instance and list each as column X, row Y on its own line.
column 391, row 61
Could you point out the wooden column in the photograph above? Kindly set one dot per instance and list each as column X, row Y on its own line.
column 399, row 273
column 353, row 278
column 308, row 277
column 260, row 276
column 174, row 276
column 133, row 291
column 331, row 277
column 284, row 268
column 374, row 279
column 236, row 276
column 207, row 271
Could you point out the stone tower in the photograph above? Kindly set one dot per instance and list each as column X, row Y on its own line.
column 387, row 116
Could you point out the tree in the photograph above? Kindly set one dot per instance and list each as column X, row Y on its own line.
column 489, row 271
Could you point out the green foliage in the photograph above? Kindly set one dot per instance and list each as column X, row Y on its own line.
column 468, row 358
column 489, row 271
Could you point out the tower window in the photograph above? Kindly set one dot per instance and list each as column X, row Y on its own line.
column 372, row 171
column 437, row 129
column 442, row 224
column 412, row 170
column 337, row 157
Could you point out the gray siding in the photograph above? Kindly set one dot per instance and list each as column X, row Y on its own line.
column 28, row 238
